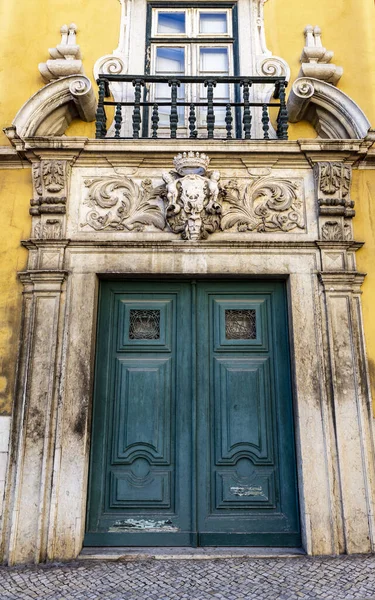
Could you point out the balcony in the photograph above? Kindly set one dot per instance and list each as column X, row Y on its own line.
column 231, row 115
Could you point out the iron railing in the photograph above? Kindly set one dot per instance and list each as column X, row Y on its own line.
column 139, row 118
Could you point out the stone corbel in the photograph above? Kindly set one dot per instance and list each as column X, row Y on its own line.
column 333, row 182
column 117, row 63
column 48, row 205
column 316, row 60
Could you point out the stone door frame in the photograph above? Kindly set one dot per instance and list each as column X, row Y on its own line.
column 51, row 435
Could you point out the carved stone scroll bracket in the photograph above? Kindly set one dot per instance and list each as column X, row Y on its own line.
column 52, row 108
column 316, row 60
column 351, row 406
column 333, row 182
column 333, row 114
column 48, row 205
column 27, row 501
column 117, row 63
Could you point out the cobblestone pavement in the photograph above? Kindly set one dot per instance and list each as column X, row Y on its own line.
column 227, row 579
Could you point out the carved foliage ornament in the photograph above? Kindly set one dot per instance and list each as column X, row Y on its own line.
column 336, row 231
column 333, row 182
column 50, row 178
column 193, row 203
column 53, row 175
column 267, row 204
column 49, row 230
column 131, row 206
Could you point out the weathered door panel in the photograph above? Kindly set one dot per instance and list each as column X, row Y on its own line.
column 247, row 492
column 140, row 477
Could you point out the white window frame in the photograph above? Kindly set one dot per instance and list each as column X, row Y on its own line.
column 192, row 18
column 193, row 92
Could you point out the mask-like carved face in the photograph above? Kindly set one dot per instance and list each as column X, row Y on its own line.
column 193, row 193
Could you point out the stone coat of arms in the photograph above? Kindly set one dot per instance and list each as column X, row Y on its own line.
column 193, row 208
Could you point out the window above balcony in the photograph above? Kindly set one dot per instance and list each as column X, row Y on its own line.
column 200, row 69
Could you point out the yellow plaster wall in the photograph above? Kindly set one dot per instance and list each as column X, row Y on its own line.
column 347, row 29
column 364, row 230
column 15, row 191
column 29, row 27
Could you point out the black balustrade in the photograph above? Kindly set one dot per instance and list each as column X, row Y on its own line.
column 206, row 117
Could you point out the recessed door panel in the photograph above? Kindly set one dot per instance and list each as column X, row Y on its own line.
column 242, row 410
column 142, row 410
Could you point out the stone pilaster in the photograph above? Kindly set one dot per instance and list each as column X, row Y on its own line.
column 31, row 461
column 345, row 359
column 351, row 407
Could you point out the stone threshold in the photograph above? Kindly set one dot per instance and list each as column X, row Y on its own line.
column 177, row 553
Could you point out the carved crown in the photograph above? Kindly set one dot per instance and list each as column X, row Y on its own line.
column 191, row 162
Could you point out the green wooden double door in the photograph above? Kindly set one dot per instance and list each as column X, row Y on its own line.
column 193, row 439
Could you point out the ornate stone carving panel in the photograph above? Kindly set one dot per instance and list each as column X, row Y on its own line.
column 193, row 202
column 48, row 206
column 266, row 204
column 118, row 203
column 336, row 208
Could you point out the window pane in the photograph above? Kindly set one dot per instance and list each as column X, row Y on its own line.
column 173, row 22
column 221, row 91
column 214, row 60
column 163, row 91
column 219, row 116
column 170, row 60
column 213, row 23
column 164, row 114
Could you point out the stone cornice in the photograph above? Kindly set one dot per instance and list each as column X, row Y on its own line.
column 11, row 159
column 173, row 245
column 84, row 151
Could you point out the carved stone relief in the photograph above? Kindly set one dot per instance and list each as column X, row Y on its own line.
column 50, row 183
column 49, row 230
column 316, row 60
column 336, row 231
column 264, row 205
column 65, row 58
column 193, row 208
column 193, row 202
column 50, row 178
column 332, row 187
column 118, row 203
